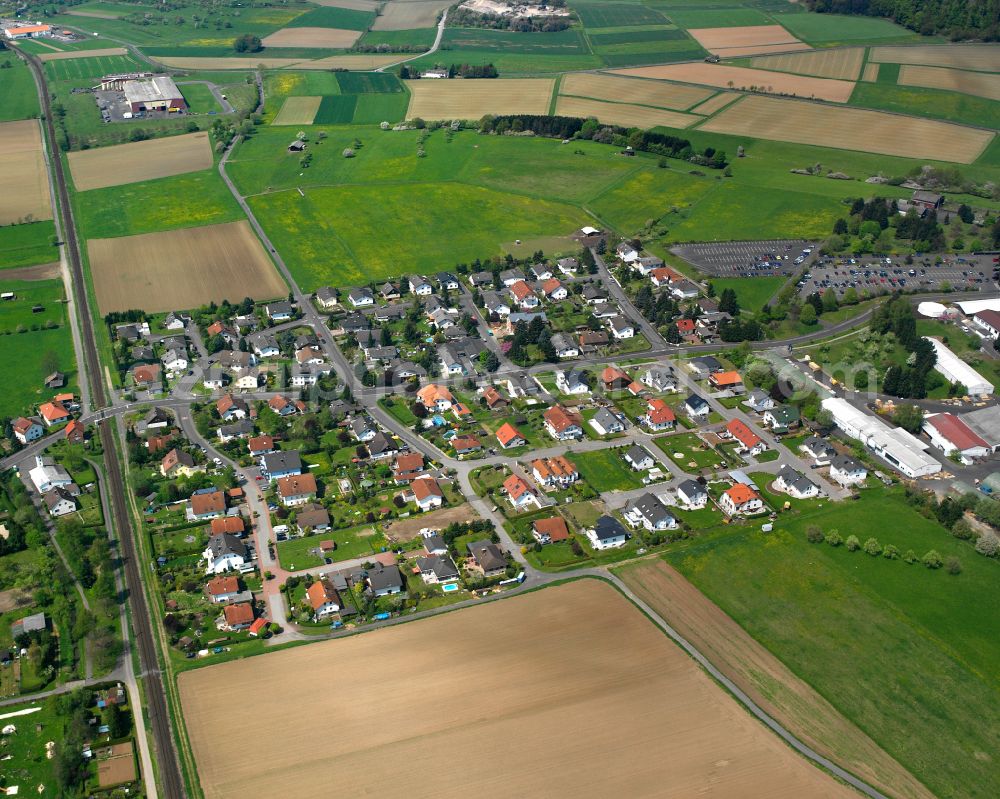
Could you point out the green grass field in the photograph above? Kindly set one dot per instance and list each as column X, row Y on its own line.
column 605, row 470
column 657, row 34
column 333, row 17
column 30, row 355
column 372, row 109
column 830, row 29
column 906, row 653
column 719, row 17
column 368, row 83
column 199, row 98
column 751, row 293
column 86, row 69
column 931, row 103
column 19, row 92
column 27, row 245
column 613, row 15
column 350, row 544
column 336, row 110
column 564, row 42
column 416, row 37
column 191, row 200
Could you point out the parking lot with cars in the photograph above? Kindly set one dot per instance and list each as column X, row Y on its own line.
column 747, row 258
column 961, row 273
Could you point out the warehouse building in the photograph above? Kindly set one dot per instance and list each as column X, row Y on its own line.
column 985, row 422
column 903, row 451
column 955, row 370
column 159, row 93
column 27, row 31
column 951, row 435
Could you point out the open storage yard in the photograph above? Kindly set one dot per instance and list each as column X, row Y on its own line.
column 323, row 38
column 985, row 57
column 24, row 183
column 838, row 91
column 472, row 99
column 605, row 703
column 955, row 80
column 850, row 128
column 748, row 40
column 142, row 160
column 843, row 63
column 182, row 268
column 624, row 90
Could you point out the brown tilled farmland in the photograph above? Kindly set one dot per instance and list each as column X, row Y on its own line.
column 625, row 90
column 568, row 691
column 765, row 678
column 298, row 111
column 332, row 38
column 954, row 80
column 985, row 57
column 838, row 91
column 24, row 182
column 624, row 114
column 401, row 15
column 182, row 268
column 471, row 99
column 141, row 160
column 850, row 129
column 843, row 63
column 82, row 54
column 747, row 40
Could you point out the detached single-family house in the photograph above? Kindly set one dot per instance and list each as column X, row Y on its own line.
column 692, row 494
column 659, row 416
column 520, row 494
column 749, row 441
column 550, row 531
column 223, row 589
column 53, row 413
column 607, row 533
column 326, row 298
column 563, row 424
column 488, row 557
column 759, row 401
column 726, row 381
column 224, row 552
column 818, row 449
column 660, row 379
column 427, row 493
column 621, row 328
column 564, row 346
column 568, row 266
column 605, row 422
column 522, row 294
column 231, row 408
column 58, row 501
column 178, row 463
column 435, row 397
column 297, row 489
column 27, row 430
column 572, row 381
column 466, row 445
column 647, row 511
column 279, row 311
column 275, row 465
column 361, row 297
column 435, row 569
column 448, row 281
column 554, row 290
column 384, row 580
column 782, row 418
column 420, row 286
column 684, row 289
column 495, row 304
column 509, row 436
column 408, row 465
column 626, row 252
column 235, row 617
column 741, row 500
column 705, row 365
column 639, row 459
column 260, row 445
column 554, row 472
column 696, row 406
column 206, row 504
column 847, row 471
column 323, row 599
column 795, row 484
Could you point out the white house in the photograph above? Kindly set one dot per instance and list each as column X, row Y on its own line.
column 988, row 320
column 427, row 493
column 759, row 401
column 639, row 459
column 607, row 423
column 607, row 533
column 224, row 552
column 847, row 471
column 436, row 569
column 621, row 328
column 647, row 511
column 175, row 361
column 564, row 346
column 795, row 484
column 571, row 381
column 741, row 500
column 420, row 286
column 626, row 252
column 361, row 298
column 692, row 494
column 660, row 378
column 323, row 599
column 47, row 474
column 696, row 406
column 59, row 501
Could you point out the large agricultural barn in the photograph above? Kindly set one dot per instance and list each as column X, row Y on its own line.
column 27, row 31
column 156, row 94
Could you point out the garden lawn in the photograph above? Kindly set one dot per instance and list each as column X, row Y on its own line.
column 295, row 552
column 692, row 447
column 606, row 470
column 906, row 653
column 191, row 200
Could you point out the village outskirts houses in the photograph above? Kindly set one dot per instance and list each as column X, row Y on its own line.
column 740, row 500
column 563, row 424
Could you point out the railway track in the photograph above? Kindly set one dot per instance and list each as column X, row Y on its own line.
column 172, row 784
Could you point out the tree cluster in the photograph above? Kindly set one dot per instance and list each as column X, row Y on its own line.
column 957, row 19
column 467, row 18
column 248, row 43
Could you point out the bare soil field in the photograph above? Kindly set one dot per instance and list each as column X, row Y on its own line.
column 984, row 57
column 332, row 38
column 980, row 84
column 62, row 56
column 471, row 99
column 182, row 268
column 24, row 181
column 843, row 63
column 850, row 129
column 625, row 90
column 405, row 529
column 94, row 14
column 356, row 62
column 871, row 73
column 141, row 160
column 14, row 597
column 298, row 111
column 622, row 114
column 762, row 49
column 766, row 679
column 837, row 91
column 214, row 63
column 568, row 691
column 402, row 15
column 734, row 41
column 713, row 104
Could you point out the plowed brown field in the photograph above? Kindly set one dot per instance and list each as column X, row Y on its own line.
column 141, row 160
column 24, row 181
column 568, row 691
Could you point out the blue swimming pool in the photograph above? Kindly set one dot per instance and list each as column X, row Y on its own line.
column 449, row 587
column 438, row 420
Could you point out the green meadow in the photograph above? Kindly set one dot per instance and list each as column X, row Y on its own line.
column 930, row 103
column 833, row 29
column 27, row 245
column 906, row 653
column 20, row 96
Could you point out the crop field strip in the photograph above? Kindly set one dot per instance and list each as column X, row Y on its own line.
column 471, row 99
column 843, row 63
column 298, row 111
column 24, row 180
column 870, row 73
column 220, row 63
column 70, row 54
column 322, row 38
column 361, row 62
column 851, row 129
column 723, row 76
column 713, row 104
column 630, row 90
column 981, row 57
column 564, row 42
column 617, row 15
column 623, row 114
column 137, row 161
column 596, row 664
column 182, row 268
column 401, row 15
column 980, row 84
column 356, row 5
column 745, row 40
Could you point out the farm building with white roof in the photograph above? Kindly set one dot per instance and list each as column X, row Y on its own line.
column 900, row 449
column 159, row 93
column 956, row 370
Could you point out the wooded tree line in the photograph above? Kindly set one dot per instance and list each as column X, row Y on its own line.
column 958, row 19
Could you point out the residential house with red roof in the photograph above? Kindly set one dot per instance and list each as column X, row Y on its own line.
column 519, row 492
column 749, row 442
column 563, row 424
column 741, row 500
column 510, row 437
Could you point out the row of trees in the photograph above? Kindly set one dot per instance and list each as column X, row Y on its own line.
column 931, row 559
column 958, row 19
